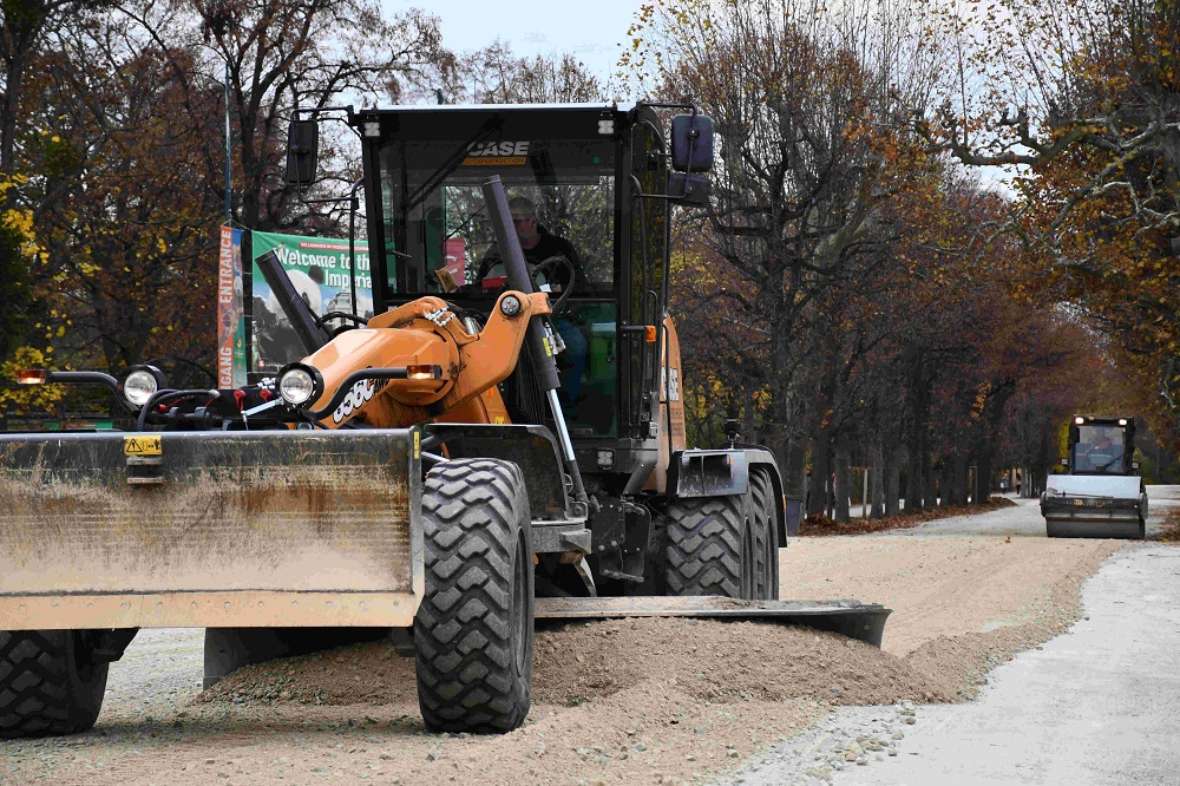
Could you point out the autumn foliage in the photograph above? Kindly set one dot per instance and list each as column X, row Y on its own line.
column 866, row 289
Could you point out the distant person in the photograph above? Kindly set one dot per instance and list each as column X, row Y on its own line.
column 1018, row 483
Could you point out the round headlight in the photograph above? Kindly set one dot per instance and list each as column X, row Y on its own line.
column 296, row 386
column 139, row 386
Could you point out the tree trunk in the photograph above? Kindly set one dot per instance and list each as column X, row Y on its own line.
column 983, row 475
column 794, row 478
column 893, row 461
column 946, row 482
column 915, row 487
column 821, row 468
column 877, row 479
column 843, row 482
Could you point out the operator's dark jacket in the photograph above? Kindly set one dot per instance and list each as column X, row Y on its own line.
column 549, row 245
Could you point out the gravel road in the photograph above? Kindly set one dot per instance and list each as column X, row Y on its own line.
column 642, row 701
column 1097, row 705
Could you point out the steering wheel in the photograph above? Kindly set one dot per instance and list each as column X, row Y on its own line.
column 544, row 272
column 344, row 316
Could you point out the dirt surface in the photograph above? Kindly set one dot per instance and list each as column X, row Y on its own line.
column 635, row 701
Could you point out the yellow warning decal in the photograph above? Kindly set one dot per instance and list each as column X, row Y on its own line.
column 548, row 349
column 417, row 444
column 142, row 445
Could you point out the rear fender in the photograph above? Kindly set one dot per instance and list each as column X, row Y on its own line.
column 725, row 472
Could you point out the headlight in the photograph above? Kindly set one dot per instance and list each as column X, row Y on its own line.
column 139, row 386
column 296, row 386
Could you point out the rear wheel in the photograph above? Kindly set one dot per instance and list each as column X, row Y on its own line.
column 764, row 513
column 49, row 684
column 717, row 546
column 473, row 634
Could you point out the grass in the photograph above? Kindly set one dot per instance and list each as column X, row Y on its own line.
column 822, row 525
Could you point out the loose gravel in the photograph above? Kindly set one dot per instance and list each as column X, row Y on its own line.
column 627, row 701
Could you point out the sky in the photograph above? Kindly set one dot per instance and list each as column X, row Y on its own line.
column 591, row 30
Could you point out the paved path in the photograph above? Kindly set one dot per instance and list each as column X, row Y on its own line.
column 1026, row 519
column 1098, row 705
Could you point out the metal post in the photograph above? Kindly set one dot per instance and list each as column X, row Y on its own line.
column 229, row 185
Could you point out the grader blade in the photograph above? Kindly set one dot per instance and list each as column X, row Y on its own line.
column 862, row 621
column 209, row 529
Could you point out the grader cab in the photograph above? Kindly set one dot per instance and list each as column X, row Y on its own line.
column 504, row 440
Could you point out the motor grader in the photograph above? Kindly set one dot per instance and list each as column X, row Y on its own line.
column 502, row 441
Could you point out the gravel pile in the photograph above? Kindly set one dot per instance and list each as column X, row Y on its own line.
column 712, row 661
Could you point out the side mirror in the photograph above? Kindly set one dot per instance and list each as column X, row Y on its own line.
column 692, row 143
column 303, row 146
column 686, row 189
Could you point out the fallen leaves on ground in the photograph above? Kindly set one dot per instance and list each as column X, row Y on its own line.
column 822, row 525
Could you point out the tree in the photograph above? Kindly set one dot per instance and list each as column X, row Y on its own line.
column 122, row 211
column 812, row 146
column 277, row 56
column 1087, row 101
column 22, row 33
column 494, row 75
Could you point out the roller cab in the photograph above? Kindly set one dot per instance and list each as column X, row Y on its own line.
column 1102, row 495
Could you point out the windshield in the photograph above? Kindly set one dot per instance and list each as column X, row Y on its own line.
column 1099, row 449
column 439, row 237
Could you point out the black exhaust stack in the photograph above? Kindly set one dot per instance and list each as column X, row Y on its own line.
column 299, row 314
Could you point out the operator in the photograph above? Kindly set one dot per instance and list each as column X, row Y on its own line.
column 539, row 245
column 1105, row 453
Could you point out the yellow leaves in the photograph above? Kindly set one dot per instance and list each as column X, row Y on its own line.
column 982, row 392
column 27, row 397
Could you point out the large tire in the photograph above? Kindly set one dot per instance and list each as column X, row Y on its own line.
column 48, row 684
column 473, row 634
column 713, row 549
column 764, row 512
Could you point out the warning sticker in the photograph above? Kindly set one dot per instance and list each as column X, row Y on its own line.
column 142, row 445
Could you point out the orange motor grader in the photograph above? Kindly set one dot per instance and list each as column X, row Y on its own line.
column 502, row 441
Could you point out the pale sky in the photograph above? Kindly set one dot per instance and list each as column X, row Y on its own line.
column 591, row 30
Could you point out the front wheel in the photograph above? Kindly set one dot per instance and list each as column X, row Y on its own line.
column 473, row 634
column 49, row 684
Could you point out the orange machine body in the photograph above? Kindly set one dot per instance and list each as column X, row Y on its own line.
column 422, row 335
